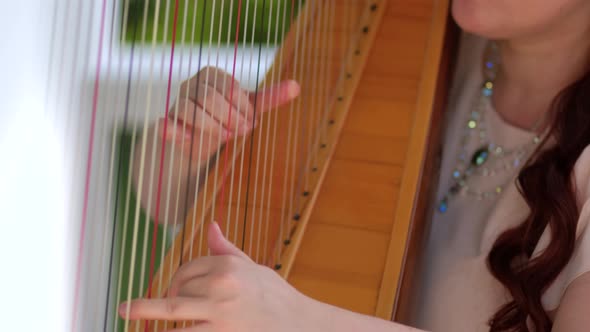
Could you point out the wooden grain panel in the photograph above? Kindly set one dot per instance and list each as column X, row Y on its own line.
column 341, row 266
column 370, row 148
column 339, row 203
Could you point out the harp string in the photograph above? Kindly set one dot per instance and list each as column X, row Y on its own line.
column 329, row 95
column 88, row 173
column 51, row 57
column 325, row 87
column 235, row 141
column 162, row 157
column 305, row 114
column 251, row 149
column 293, row 214
column 161, row 169
column 62, row 60
column 317, row 143
column 311, row 115
column 126, row 211
column 260, row 128
column 285, row 217
column 274, row 115
column 224, row 131
column 243, row 152
column 111, row 173
column 274, row 136
column 173, row 152
column 144, row 141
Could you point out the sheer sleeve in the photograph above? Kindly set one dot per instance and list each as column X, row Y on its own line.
column 580, row 260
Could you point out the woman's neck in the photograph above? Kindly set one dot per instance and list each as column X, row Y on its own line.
column 535, row 70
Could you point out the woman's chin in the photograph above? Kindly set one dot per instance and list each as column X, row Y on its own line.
column 472, row 17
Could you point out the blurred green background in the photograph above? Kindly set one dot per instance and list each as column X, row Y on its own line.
column 212, row 11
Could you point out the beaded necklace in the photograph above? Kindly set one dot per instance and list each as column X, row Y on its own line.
column 489, row 159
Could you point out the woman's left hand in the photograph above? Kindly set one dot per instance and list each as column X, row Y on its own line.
column 229, row 292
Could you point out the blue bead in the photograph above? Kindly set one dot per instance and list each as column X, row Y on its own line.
column 487, row 92
column 490, row 65
column 456, row 174
column 443, row 206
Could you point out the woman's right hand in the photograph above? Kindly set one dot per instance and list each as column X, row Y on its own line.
column 212, row 111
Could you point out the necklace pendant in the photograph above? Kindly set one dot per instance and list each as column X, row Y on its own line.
column 480, row 157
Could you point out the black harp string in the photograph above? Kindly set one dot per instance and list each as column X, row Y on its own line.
column 243, row 152
column 129, row 184
column 255, row 104
column 119, row 164
column 235, row 148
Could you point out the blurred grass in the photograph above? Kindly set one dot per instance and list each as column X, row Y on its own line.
column 212, row 12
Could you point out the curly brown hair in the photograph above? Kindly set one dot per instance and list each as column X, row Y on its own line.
column 546, row 185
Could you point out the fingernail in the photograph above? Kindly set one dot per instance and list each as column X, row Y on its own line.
column 216, row 225
column 293, row 89
column 123, row 307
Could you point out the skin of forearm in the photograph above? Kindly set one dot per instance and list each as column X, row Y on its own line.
column 334, row 319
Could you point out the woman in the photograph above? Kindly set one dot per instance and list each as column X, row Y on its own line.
column 519, row 261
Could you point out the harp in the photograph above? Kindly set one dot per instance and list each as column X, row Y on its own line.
column 330, row 190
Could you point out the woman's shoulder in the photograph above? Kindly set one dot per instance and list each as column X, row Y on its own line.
column 579, row 263
column 582, row 177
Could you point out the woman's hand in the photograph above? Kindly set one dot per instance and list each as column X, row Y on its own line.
column 212, row 111
column 228, row 292
column 201, row 117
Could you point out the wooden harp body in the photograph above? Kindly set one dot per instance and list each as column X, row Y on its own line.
column 332, row 190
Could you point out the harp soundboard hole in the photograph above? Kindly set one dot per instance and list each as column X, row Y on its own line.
column 296, row 217
column 287, row 242
column 306, row 193
column 323, row 146
column 374, row 7
column 348, row 75
column 340, row 98
column 278, row 266
column 366, row 29
column 331, row 122
column 315, row 169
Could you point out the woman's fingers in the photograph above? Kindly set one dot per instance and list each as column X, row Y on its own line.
column 222, row 83
column 194, row 269
column 196, row 287
column 219, row 108
column 196, row 119
column 171, row 308
column 276, row 96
